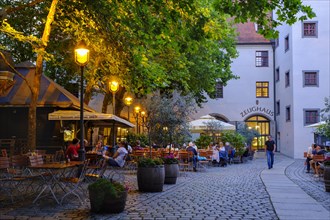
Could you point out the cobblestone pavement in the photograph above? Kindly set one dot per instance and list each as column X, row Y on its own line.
column 311, row 185
column 232, row 192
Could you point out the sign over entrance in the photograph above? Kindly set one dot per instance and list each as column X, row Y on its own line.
column 258, row 109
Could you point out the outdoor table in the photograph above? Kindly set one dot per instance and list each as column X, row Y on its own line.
column 51, row 174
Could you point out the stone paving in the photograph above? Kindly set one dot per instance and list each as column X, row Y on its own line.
column 313, row 186
column 232, row 192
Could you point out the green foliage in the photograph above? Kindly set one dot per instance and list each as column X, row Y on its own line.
column 168, row 116
column 286, row 11
column 133, row 137
column 248, row 134
column 324, row 129
column 203, row 141
column 326, row 162
column 235, row 139
column 149, row 162
column 103, row 188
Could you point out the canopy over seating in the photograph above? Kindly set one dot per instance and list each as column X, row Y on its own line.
column 202, row 123
column 96, row 118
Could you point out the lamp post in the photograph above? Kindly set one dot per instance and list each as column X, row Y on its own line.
column 136, row 114
column 113, row 86
column 81, row 55
column 128, row 101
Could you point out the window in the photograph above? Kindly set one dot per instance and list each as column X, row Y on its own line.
column 277, row 74
column 261, row 58
column 309, row 29
column 286, row 43
column 310, row 78
column 311, row 116
column 287, row 79
column 218, row 90
column 262, row 90
column 278, row 107
column 288, row 113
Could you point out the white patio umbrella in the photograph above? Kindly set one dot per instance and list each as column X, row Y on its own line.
column 201, row 124
column 316, row 125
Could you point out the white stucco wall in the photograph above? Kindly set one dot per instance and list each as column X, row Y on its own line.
column 304, row 54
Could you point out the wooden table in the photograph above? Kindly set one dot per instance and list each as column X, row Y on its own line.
column 50, row 175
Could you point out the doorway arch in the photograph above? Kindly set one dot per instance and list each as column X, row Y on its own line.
column 262, row 125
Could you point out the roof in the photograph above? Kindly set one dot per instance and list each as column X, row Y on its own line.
column 51, row 93
column 247, row 34
column 97, row 118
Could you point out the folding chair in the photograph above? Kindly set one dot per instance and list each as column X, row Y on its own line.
column 184, row 161
column 73, row 184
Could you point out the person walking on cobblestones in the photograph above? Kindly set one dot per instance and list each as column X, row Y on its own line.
column 270, row 148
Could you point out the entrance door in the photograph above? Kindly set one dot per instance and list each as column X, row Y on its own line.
column 262, row 125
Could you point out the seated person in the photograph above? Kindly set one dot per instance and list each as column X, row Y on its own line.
column 310, row 152
column 72, row 150
column 138, row 146
column 98, row 148
column 215, row 155
column 314, row 164
column 194, row 158
column 223, row 155
column 118, row 159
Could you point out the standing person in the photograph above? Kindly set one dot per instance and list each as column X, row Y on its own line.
column 270, row 148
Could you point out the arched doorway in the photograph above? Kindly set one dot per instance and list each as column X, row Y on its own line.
column 262, row 125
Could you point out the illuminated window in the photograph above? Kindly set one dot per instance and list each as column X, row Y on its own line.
column 262, row 89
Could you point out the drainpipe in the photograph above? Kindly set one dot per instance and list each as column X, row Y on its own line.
column 274, row 91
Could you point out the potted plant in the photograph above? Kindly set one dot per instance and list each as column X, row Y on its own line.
column 171, row 165
column 107, row 197
column 326, row 174
column 150, row 175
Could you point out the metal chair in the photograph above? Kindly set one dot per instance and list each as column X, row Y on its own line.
column 73, row 184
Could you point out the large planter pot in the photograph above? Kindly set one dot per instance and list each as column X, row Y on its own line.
column 151, row 179
column 110, row 204
column 327, row 178
column 171, row 173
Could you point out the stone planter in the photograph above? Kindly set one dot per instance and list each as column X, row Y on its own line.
column 151, row 179
column 327, row 178
column 110, row 204
column 171, row 173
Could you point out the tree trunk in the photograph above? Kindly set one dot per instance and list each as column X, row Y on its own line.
column 32, row 115
column 105, row 102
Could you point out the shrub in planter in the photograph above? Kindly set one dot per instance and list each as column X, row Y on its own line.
column 150, row 175
column 107, row 197
column 327, row 175
column 171, row 165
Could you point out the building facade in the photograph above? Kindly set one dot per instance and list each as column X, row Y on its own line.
column 282, row 83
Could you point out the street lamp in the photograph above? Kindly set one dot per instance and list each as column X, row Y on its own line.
column 81, row 57
column 128, row 101
column 136, row 114
column 113, row 86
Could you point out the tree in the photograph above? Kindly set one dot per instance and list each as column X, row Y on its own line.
column 181, row 45
column 248, row 133
column 324, row 129
column 170, row 112
column 40, row 49
column 213, row 127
